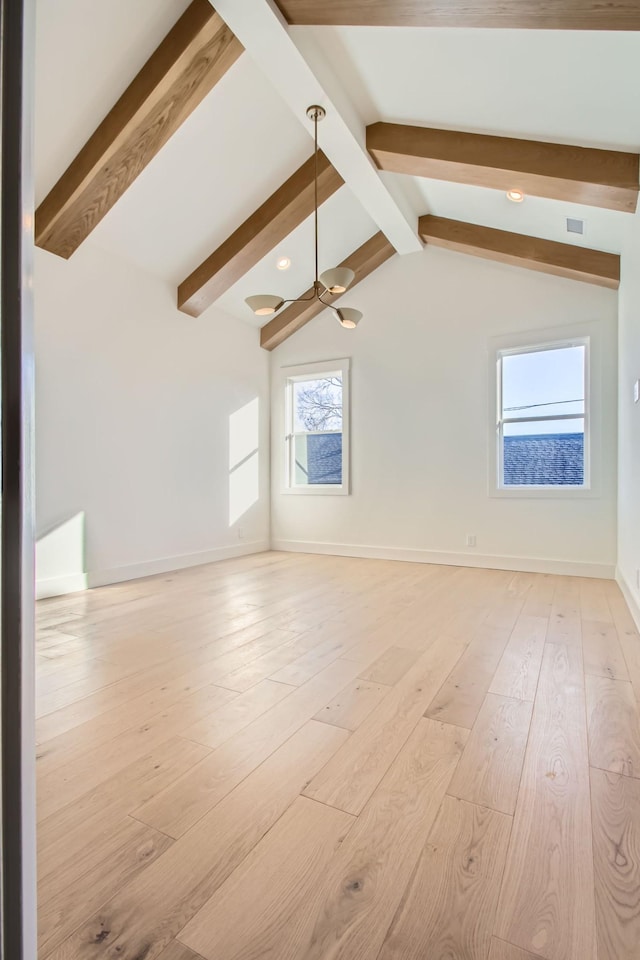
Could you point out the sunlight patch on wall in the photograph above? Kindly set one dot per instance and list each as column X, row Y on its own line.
column 244, row 478
column 60, row 565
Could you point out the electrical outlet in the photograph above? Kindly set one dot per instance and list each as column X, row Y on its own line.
column 471, row 539
column 636, row 392
column 240, row 533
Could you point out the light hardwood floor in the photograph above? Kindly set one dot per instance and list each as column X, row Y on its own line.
column 318, row 758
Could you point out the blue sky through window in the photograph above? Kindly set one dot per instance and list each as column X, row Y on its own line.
column 544, row 383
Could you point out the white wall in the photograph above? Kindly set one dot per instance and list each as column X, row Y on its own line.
column 138, row 410
column 629, row 426
column 136, row 403
column 420, row 439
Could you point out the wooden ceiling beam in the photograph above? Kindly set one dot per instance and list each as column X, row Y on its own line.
column 362, row 261
column 599, row 178
column 258, row 235
column 191, row 59
column 545, row 256
column 517, row 14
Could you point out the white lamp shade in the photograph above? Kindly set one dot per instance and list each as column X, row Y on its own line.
column 348, row 317
column 337, row 280
column 264, row 304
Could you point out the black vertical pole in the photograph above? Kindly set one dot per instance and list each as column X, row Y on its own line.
column 16, row 551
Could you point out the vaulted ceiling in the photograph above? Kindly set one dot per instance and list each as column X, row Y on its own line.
column 198, row 173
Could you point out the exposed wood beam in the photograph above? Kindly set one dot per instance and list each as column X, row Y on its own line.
column 516, row 14
column 191, row 59
column 362, row 261
column 260, row 233
column 302, row 80
column 546, row 256
column 600, row 178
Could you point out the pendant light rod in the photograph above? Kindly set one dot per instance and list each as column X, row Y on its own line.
column 315, row 191
column 315, row 113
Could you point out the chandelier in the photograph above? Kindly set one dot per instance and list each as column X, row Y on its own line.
column 332, row 281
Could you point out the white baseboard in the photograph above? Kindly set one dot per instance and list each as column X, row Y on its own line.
column 629, row 595
column 148, row 568
column 58, row 586
column 574, row 568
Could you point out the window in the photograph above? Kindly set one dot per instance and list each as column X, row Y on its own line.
column 542, row 416
column 316, row 404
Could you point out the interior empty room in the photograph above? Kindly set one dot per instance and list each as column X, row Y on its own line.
column 337, row 480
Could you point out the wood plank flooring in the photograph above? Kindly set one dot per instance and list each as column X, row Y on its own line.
column 294, row 757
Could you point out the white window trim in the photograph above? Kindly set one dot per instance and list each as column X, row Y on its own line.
column 587, row 334
column 307, row 371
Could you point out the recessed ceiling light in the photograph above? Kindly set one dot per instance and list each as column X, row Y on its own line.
column 283, row 263
column 517, row 196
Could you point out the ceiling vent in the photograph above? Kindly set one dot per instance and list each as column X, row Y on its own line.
column 575, row 226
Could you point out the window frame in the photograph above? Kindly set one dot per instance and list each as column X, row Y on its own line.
column 315, row 371
column 536, row 342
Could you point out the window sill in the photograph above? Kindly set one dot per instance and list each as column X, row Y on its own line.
column 318, row 489
column 544, row 493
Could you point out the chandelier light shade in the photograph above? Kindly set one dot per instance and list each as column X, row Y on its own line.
column 337, row 280
column 348, row 317
column 332, row 282
column 264, row 304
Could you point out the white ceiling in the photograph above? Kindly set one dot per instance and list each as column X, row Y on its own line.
column 234, row 150
column 567, row 86
column 577, row 87
column 242, row 142
column 86, row 56
column 537, row 216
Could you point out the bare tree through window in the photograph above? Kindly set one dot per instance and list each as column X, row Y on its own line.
column 319, row 403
